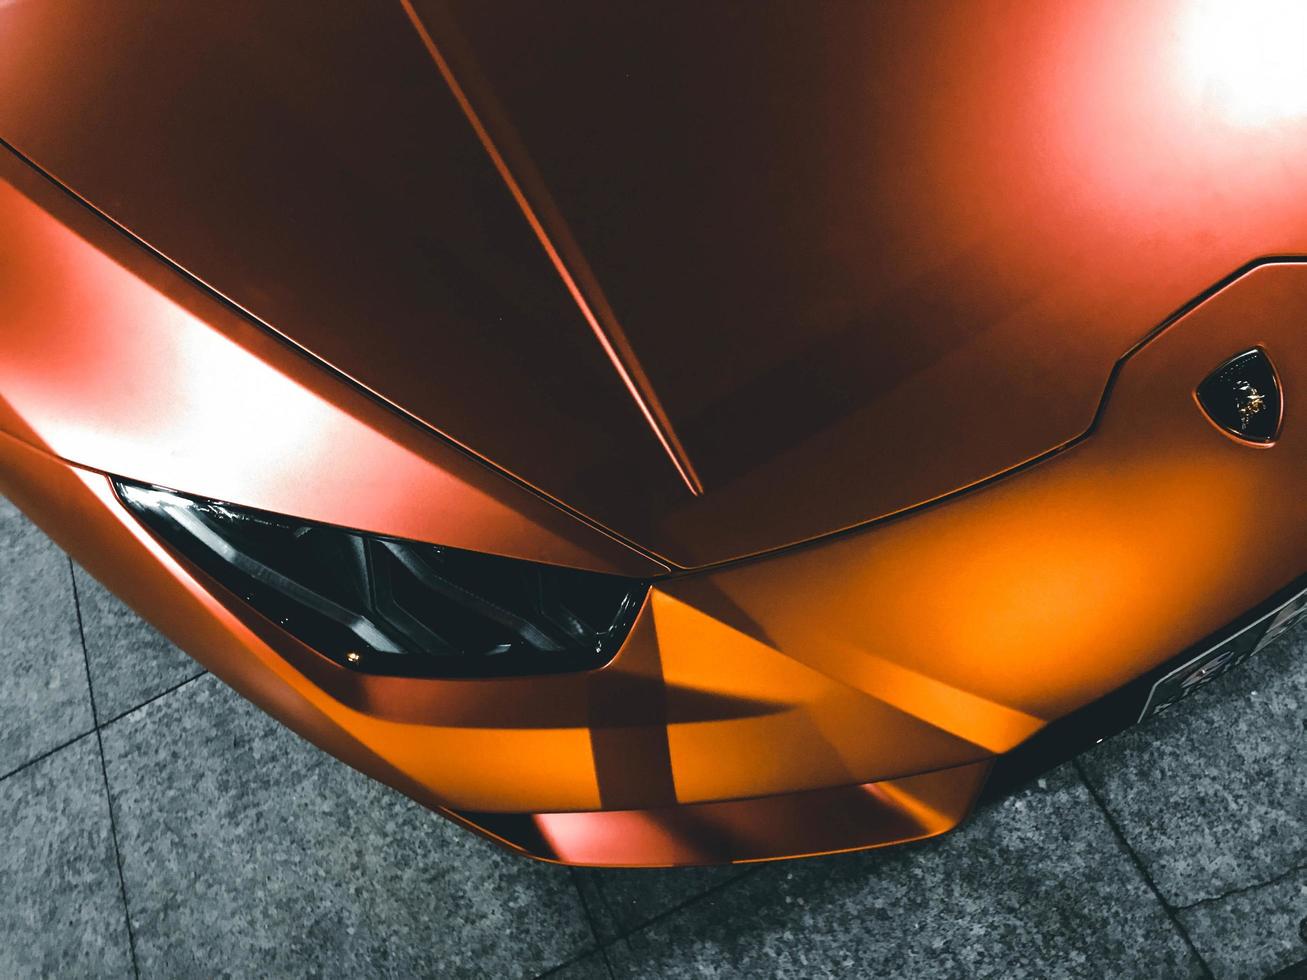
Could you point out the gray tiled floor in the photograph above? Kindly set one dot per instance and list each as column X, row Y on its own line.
column 62, row 913
column 43, row 689
column 188, row 835
column 1254, row 932
column 127, row 660
column 1215, row 796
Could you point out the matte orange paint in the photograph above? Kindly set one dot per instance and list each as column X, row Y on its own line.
column 112, row 359
column 904, row 260
column 865, row 254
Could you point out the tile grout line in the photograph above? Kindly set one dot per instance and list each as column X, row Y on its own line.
column 150, row 700
column 1296, row 869
column 1143, row 871
column 45, row 755
column 753, row 868
column 603, row 947
column 553, row 971
column 104, row 773
column 590, row 920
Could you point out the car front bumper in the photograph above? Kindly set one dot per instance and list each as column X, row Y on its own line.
column 686, row 749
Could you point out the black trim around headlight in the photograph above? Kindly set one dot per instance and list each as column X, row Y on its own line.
column 384, row 605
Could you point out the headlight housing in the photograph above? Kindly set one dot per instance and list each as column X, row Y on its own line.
column 383, row 605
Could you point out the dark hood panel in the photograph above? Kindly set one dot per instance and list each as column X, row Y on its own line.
column 863, row 254
column 316, row 171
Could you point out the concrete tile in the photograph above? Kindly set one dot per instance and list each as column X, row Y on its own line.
column 624, row 899
column 1034, row 886
column 129, row 660
column 61, row 910
column 44, row 700
column 1211, row 794
column 248, row 852
column 1253, row 933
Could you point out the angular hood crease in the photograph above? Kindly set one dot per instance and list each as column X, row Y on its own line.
column 552, row 232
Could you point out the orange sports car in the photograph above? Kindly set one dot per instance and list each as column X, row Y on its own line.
column 677, row 433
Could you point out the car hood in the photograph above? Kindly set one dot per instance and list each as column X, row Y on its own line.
column 720, row 278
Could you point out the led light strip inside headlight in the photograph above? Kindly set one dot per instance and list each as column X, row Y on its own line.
column 387, row 606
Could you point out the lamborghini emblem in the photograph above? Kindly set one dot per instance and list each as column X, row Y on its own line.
column 1242, row 397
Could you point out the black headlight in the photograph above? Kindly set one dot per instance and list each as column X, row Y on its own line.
column 387, row 606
